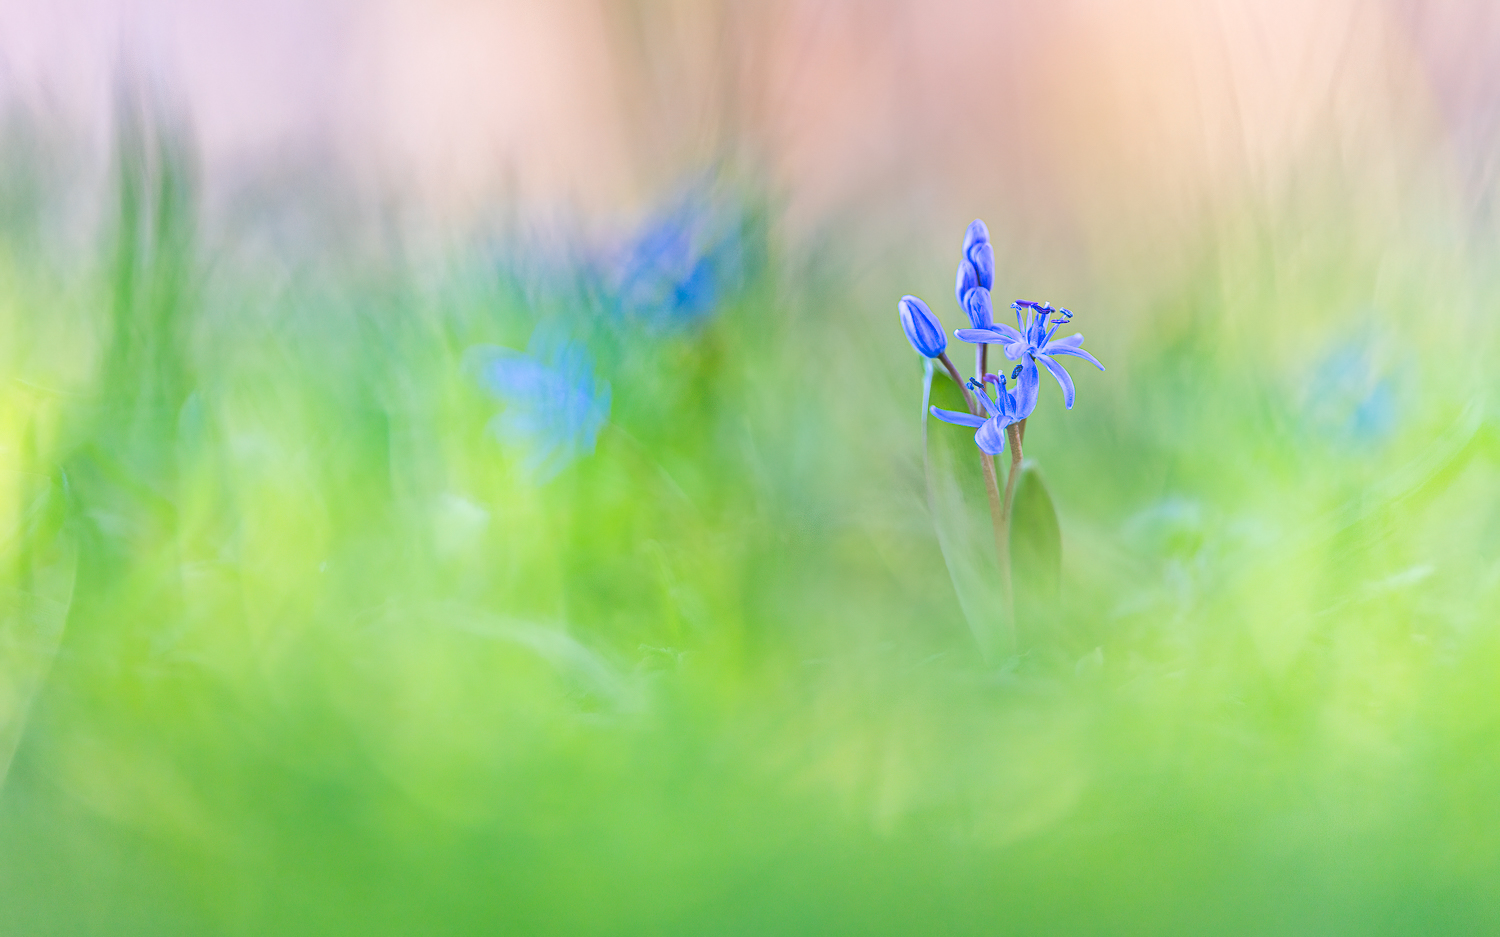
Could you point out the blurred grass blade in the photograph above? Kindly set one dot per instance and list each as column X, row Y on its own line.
column 959, row 505
column 33, row 609
column 1036, row 556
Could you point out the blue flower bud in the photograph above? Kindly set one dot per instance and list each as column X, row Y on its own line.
column 980, row 309
column 968, row 278
column 922, row 328
column 976, row 233
column 982, row 256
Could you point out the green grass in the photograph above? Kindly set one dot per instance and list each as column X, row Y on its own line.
column 291, row 645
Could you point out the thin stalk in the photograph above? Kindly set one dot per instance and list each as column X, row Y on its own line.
column 962, row 385
column 999, row 518
column 1014, row 434
column 998, row 522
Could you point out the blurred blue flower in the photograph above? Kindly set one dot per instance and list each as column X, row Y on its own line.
column 554, row 405
column 922, row 328
column 1350, row 399
column 1031, row 341
column 684, row 263
column 1005, row 408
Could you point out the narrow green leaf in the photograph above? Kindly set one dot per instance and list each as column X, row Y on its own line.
column 1036, row 556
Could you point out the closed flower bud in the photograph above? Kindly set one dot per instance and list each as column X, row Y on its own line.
column 922, row 328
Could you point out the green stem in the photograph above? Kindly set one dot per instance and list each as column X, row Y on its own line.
column 1014, row 433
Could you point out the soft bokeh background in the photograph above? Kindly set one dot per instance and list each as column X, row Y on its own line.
column 461, row 470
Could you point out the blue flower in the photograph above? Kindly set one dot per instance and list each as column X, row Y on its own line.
column 1005, row 408
column 684, row 263
column 1031, row 341
column 554, row 406
column 1351, row 399
column 922, row 328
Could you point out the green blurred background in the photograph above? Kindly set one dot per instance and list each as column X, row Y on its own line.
column 296, row 638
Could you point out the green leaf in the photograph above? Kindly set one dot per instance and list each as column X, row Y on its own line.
column 1036, row 556
column 959, row 504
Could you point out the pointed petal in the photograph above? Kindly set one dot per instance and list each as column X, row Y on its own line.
column 1008, row 408
column 990, row 407
column 1057, row 348
column 1011, row 334
column 1028, row 389
column 981, row 336
column 991, row 436
column 967, row 280
column 1014, row 350
column 1063, row 378
column 983, row 257
column 1072, row 341
column 979, row 307
column 956, row 418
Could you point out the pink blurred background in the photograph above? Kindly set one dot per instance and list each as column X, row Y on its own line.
column 1091, row 118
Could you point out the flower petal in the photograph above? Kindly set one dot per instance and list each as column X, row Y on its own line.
column 991, row 436
column 982, row 255
column 1014, row 350
column 1010, row 332
column 957, row 418
column 980, row 309
column 1028, row 389
column 1063, row 378
column 990, row 407
column 967, row 280
column 1057, row 348
column 981, row 336
column 1072, row 341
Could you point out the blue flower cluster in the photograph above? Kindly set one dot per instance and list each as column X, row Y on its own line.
column 1031, row 340
column 684, row 263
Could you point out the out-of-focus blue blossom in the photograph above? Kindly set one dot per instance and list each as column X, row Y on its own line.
column 1032, row 341
column 922, row 328
column 554, row 405
column 684, row 263
column 1349, row 398
column 1005, row 408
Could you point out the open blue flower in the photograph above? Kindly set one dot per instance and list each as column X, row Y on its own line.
column 554, row 406
column 1032, row 341
column 1005, row 408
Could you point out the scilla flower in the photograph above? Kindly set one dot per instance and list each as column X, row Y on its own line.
column 1005, row 408
column 1031, row 341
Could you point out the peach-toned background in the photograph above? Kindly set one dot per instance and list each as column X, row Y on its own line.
column 1115, row 113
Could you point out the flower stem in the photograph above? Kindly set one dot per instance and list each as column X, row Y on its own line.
column 1002, row 544
column 1014, row 432
column 962, row 385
